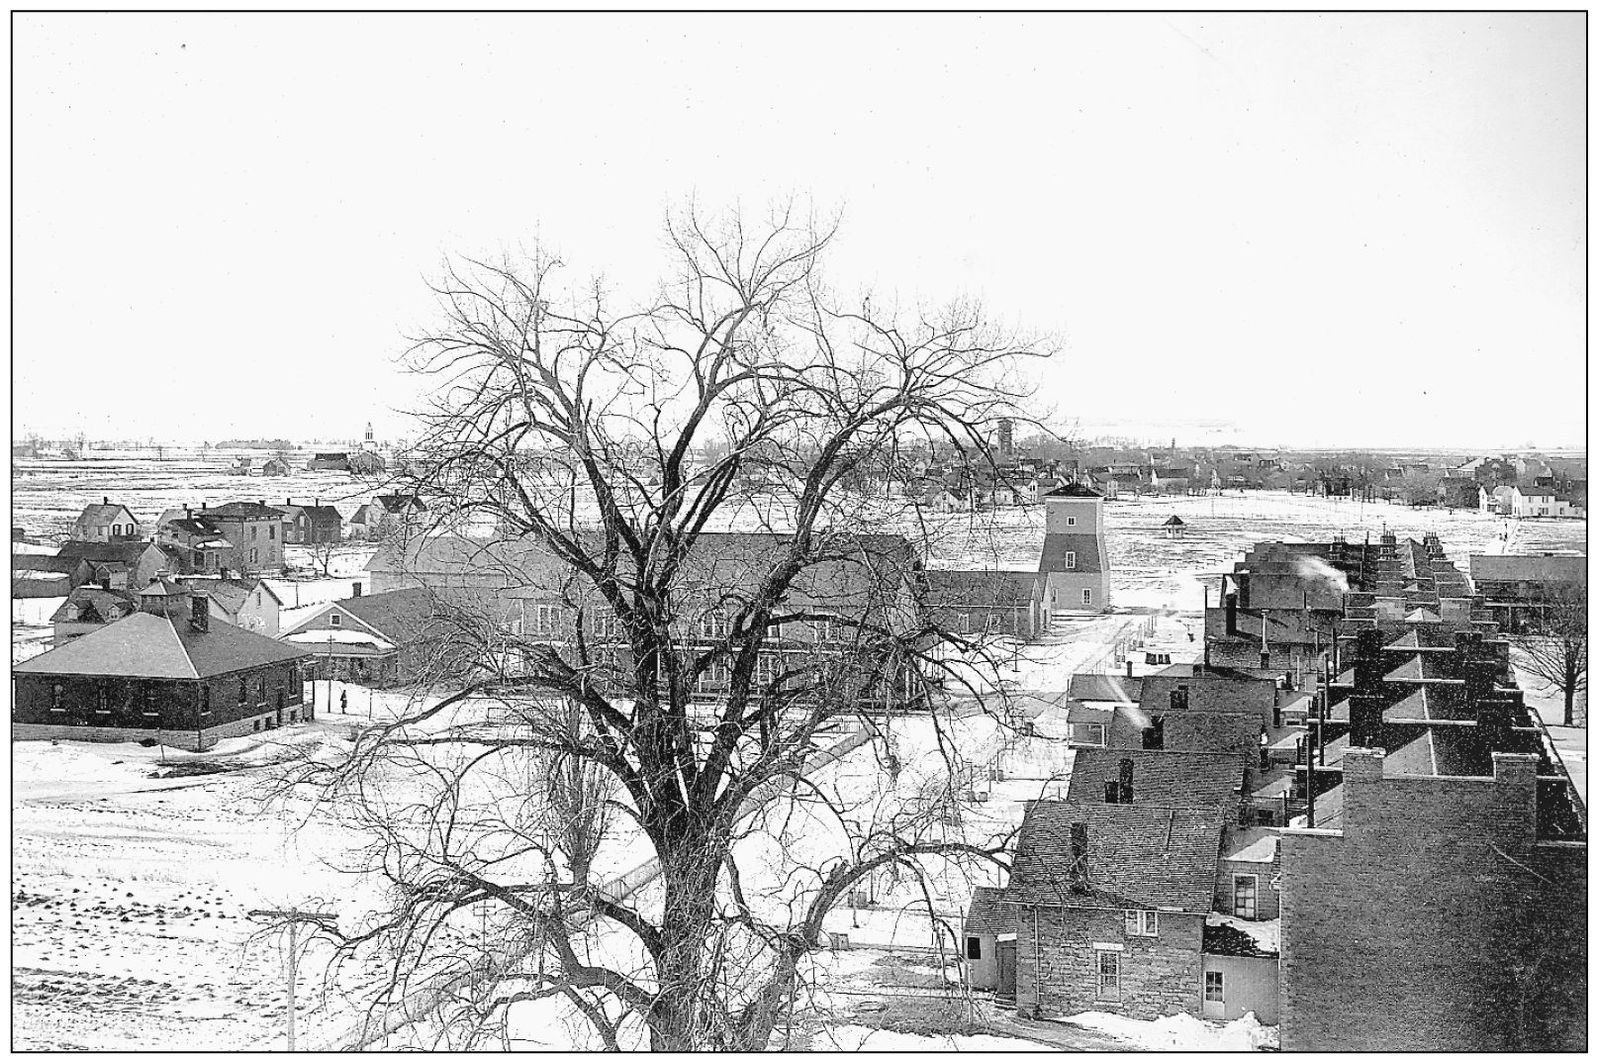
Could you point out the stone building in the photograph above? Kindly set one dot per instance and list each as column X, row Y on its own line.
column 1433, row 912
column 1138, row 894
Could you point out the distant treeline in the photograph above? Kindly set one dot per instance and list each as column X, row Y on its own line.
column 276, row 445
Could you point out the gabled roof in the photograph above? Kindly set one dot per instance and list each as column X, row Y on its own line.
column 126, row 551
column 400, row 503
column 845, row 571
column 948, row 589
column 400, row 616
column 145, row 645
column 229, row 595
column 1147, row 856
column 1121, row 689
column 43, row 563
column 100, row 515
column 95, row 605
column 1209, row 780
column 196, row 524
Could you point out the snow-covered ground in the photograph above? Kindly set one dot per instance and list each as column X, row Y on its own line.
column 1548, row 702
column 1182, row 1033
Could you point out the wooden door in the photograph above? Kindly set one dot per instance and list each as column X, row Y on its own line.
column 1006, row 968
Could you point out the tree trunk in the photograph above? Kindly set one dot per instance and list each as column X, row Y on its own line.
column 1569, row 692
column 685, row 1018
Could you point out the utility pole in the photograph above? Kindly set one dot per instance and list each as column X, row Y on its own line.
column 293, row 916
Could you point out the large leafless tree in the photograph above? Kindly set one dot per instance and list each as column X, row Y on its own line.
column 1555, row 643
column 586, row 458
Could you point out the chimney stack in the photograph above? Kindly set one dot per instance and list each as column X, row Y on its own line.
column 105, row 500
column 1126, row 767
column 357, row 587
column 1231, row 613
column 200, row 611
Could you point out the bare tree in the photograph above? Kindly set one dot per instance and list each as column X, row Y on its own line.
column 1555, row 645
column 582, row 467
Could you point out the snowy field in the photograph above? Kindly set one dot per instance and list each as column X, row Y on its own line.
column 47, row 495
column 130, row 890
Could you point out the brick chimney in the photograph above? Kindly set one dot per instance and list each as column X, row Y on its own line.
column 1126, row 768
column 1231, row 613
column 357, row 587
column 200, row 611
column 1367, row 671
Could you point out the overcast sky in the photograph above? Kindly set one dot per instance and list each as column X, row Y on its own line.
column 1261, row 229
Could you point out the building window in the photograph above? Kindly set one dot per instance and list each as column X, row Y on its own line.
column 972, row 947
column 713, row 625
column 271, row 531
column 1070, row 522
column 243, row 691
column 1142, row 922
column 56, row 702
column 545, row 618
column 205, row 700
column 1091, row 733
column 1086, row 596
column 257, row 726
column 773, row 631
column 254, row 532
column 1108, row 975
column 964, row 623
column 335, row 620
column 1070, row 560
column 1214, row 986
column 102, row 701
column 1179, row 698
column 766, row 669
column 150, row 709
column 1245, row 897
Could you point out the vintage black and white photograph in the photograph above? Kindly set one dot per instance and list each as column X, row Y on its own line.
column 765, row 531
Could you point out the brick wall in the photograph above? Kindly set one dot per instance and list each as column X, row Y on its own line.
column 1254, row 696
column 1056, row 967
column 180, row 705
column 1433, row 919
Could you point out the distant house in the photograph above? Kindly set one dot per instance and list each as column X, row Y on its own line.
column 128, row 564
column 1538, row 501
column 248, row 603
column 385, row 515
column 377, row 639
column 969, row 604
column 366, row 463
column 105, row 522
column 276, row 466
column 1174, row 527
column 88, row 609
column 328, row 461
column 309, row 525
column 168, row 672
column 197, row 539
column 1075, row 556
column 241, row 466
column 254, row 531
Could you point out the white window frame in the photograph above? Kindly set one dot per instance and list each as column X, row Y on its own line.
column 1100, row 959
column 1219, row 982
column 1086, row 595
column 1070, row 522
column 335, row 619
column 1142, row 922
column 1070, row 560
column 1252, row 914
column 545, row 620
column 766, row 668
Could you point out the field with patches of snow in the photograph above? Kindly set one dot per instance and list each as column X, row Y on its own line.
column 47, row 494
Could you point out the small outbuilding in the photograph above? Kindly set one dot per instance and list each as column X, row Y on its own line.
column 1175, row 527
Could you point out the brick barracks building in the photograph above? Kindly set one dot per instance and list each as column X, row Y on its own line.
column 168, row 672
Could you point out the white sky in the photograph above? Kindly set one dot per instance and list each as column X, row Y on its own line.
column 1262, row 229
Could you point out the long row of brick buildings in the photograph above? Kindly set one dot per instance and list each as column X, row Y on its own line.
column 1343, row 820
